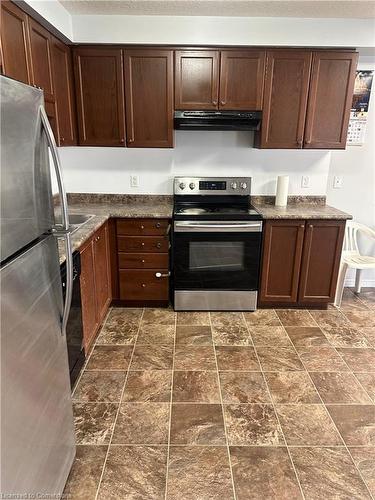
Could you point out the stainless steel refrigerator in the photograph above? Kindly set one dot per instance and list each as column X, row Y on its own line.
column 37, row 433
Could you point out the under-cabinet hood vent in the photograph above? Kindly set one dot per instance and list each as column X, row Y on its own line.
column 217, row 120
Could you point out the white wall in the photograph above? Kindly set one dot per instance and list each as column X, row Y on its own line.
column 54, row 13
column 357, row 167
column 224, row 30
column 107, row 170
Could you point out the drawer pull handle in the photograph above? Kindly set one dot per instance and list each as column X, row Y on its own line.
column 142, row 244
column 158, row 224
column 162, row 275
column 143, row 261
column 158, row 245
column 143, row 285
column 142, row 227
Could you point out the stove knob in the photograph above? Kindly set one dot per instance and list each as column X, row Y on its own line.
column 192, row 185
column 182, row 185
column 243, row 185
column 234, row 185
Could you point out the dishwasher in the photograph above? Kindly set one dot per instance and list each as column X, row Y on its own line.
column 74, row 328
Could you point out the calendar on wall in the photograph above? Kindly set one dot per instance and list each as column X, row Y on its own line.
column 359, row 110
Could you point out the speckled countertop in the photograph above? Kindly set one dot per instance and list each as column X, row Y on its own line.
column 105, row 206
column 300, row 211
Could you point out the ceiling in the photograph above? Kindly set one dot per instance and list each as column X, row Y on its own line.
column 234, row 8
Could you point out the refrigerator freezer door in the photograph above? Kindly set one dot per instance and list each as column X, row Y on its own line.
column 37, row 431
column 26, row 198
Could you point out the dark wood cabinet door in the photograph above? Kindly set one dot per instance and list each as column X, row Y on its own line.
column 88, row 295
column 63, row 81
column 330, row 99
column 102, row 271
column 196, row 79
column 282, row 251
column 285, row 98
column 50, row 108
column 41, row 59
column 149, row 98
column 14, row 43
column 241, row 79
column 100, row 96
column 321, row 261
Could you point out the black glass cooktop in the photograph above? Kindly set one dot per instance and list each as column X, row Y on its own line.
column 225, row 212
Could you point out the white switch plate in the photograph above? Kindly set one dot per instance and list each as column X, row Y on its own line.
column 134, row 181
column 305, row 182
column 337, row 182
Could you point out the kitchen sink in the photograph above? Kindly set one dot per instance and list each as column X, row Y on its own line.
column 76, row 221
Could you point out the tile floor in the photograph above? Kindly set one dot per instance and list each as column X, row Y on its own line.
column 272, row 404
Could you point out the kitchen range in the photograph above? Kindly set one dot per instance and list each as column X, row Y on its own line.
column 216, row 244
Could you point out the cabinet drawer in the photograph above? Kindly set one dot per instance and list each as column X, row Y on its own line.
column 135, row 227
column 142, row 244
column 143, row 285
column 143, row 260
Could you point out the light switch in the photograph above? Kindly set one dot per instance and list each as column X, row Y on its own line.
column 305, row 182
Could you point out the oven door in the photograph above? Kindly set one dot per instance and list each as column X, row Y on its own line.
column 217, row 255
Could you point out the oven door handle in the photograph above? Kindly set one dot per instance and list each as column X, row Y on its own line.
column 219, row 227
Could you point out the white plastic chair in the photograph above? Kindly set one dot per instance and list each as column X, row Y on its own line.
column 351, row 257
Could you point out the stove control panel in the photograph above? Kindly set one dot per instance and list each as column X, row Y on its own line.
column 212, row 185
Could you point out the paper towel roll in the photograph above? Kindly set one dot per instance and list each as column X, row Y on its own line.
column 282, row 190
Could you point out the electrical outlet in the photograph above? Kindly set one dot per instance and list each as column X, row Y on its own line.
column 305, row 182
column 337, row 182
column 134, row 181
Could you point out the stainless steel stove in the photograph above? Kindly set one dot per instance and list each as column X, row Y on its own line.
column 217, row 239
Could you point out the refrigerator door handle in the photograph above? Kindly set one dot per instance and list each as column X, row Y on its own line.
column 69, row 279
column 57, row 165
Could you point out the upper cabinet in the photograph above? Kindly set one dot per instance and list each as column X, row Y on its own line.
column 14, row 42
column 99, row 89
column 63, row 84
column 241, row 79
column 307, row 99
column 41, row 59
column 149, row 97
column 285, row 99
column 209, row 79
column 330, row 98
column 196, row 79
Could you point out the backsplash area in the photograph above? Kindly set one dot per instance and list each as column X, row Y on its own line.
column 108, row 170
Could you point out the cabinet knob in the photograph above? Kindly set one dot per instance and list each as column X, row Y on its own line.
column 62, row 139
column 223, row 102
column 122, row 140
column 158, row 245
column 142, row 244
column 143, row 285
column 302, row 225
column 158, row 224
column 214, row 102
column 130, row 140
column 143, row 261
column 142, row 227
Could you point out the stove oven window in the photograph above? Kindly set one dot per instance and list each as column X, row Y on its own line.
column 216, row 256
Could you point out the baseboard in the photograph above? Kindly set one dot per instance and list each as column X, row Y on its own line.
column 364, row 282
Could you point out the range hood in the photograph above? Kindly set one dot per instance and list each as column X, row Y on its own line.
column 217, row 120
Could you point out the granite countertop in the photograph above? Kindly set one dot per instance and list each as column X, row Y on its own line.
column 105, row 206
column 300, row 211
column 102, row 209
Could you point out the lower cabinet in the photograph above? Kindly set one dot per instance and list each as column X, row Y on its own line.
column 95, row 283
column 143, row 261
column 300, row 261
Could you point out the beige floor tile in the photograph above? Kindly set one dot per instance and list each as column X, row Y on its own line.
column 243, row 387
column 326, row 473
column 150, row 385
column 291, row 387
column 337, row 387
column 134, row 472
column 195, row 387
column 263, row 472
